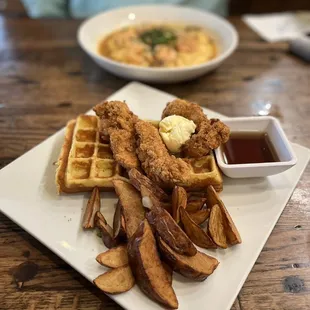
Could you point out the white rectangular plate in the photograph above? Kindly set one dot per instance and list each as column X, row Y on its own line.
column 28, row 196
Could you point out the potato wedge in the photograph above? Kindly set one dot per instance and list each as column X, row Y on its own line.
column 93, row 205
column 200, row 216
column 137, row 179
column 132, row 207
column 149, row 199
column 195, row 232
column 147, row 268
column 197, row 267
column 166, row 227
column 114, row 258
column 123, row 225
column 232, row 233
column 216, row 227
column 169, row 271
column 116, row 281
column 196, row 195
column 195, row 205
column 118, row 229
column 179, row 200
column 106, row 231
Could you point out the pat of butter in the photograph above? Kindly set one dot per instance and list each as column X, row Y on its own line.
column 175, row 130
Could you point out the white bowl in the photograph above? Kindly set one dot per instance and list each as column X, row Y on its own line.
column 282, row 146
column 95, row 28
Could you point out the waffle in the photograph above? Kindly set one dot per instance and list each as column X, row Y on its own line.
column 85, row 160
column 205, row 172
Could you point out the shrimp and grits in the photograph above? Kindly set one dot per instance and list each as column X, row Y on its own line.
column 159, row 45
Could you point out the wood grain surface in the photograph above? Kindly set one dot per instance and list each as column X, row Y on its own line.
column 45, row 80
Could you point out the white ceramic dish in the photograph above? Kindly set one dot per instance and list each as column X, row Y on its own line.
column 283, row 148
column 28, row 196
column 95, row 28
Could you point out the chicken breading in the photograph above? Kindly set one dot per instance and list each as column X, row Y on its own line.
column 165, row 169
column 123, row 146
column 117, row 121
column 115, row 115
column 210, row 134
column 189, row 110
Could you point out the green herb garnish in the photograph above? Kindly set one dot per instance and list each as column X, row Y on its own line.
column 158, row 36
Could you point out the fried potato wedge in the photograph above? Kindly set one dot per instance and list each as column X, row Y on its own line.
column 106, row 231
column 179, row 200
column 123, row 224
column 147, row 268
column 200, row 216
column 169, row 271
column 114, row 258
column 195, row 232
column 167, row 228
column 149, row 199
column 196, row 195
column 137, row 179
column 116, row 281
column 131, row 202
column 118, row 229
column 216, row 227
column 197, row 267
column 232, row 233
column 195, row 205
column 93, row 205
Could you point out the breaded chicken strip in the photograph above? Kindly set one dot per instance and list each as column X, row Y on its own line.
column 115, row 115
column 117, row 121
column 210, row 134
column 165, row 169
column 189, row 110
column 123, row 146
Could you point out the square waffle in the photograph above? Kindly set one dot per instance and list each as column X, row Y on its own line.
column 205, row 172
column 85, row 160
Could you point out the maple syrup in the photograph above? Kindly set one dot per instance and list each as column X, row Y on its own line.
column 248, row 148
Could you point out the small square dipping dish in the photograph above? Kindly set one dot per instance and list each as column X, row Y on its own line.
column 282, row 147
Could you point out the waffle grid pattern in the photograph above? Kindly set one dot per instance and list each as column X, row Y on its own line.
column 90, row 160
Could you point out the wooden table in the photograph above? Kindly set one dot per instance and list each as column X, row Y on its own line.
column 46, row 80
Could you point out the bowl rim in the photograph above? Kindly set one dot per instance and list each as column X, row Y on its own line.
column 284, row 163
column 218, row 59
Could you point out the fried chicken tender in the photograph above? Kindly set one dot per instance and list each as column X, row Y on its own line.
column 118, row 122
column 189, row 110
column 123, row 146
column 210, row 134
column 165, row 169
column 115, row 115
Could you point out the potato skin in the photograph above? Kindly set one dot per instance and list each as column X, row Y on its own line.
column 195, row 232
column 174, row 261
column 166, row 227
column 140, row 274
column 114, row 258
column 232, row 234
column 106, row 231
column 132, row 208
column 136, row 263
column 108, row 282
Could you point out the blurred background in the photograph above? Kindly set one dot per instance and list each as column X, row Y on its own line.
column 84, row 8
